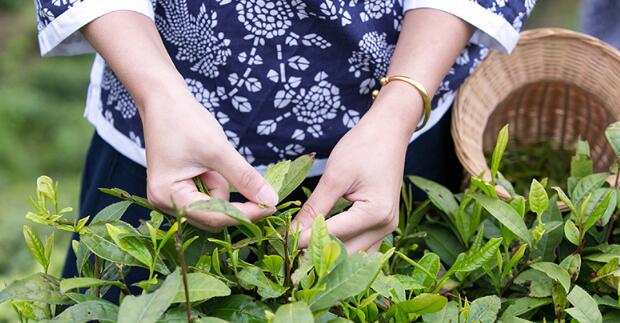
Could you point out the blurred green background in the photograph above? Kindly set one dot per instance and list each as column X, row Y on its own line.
column 42, row 130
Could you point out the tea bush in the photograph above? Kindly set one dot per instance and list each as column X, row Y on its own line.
column 467, row 257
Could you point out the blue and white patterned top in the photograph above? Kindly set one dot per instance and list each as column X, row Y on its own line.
column 283, row 77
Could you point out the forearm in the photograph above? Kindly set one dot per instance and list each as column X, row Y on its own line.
column 428, row 45
column 130, row 44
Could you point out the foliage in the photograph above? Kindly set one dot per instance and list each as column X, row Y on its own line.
column 514, row 260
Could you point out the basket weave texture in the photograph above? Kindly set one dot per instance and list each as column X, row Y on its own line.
column 557, row 86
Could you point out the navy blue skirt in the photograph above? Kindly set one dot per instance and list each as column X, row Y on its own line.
column 432, row 156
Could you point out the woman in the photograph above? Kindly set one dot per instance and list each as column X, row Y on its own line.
column 220, row 89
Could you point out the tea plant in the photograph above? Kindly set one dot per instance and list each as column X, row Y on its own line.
column 467, row 257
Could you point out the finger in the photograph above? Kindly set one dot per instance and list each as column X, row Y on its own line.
column 361, row 217
column 368, row 242
column 216, row 184
column 246, row 179
column 321, row 201
column 186, row 194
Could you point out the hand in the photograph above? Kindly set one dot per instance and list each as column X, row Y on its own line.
column 183, row 140
column 366, row 167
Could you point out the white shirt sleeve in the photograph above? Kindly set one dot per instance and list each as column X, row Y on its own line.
column 62, row 35
column 492, row 30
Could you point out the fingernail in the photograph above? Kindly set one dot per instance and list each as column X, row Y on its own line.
column 267, row 196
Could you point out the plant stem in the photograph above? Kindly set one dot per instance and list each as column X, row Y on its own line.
column 98, row 276
column 287, row 261
column 121, row 275
column 179, row 246
column 511, row 280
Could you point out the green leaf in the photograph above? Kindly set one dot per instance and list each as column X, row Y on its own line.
column 448, row 314
column 441, row 197
column 442, row 242
column 538, row 199
column 498, row 151
column 612, row 133
column 349, row 278
column 565, row 199
column 506, row 215
column 201, row 287
column 273, row 264
column 225, row 207
column 390, row 287
column 252, row 276
column 296, row 174
column 524, row 305
column 88, row 311
column 297, row 312
column 423, row 304
column 36, row 247
column 319, row 240
column 111, row 212
column 601, row 210
column 130, row 244
column 473, row 261
column 585, row 309
column 571, row 232
column 38, row 287
column 82, row 282
column 431, row 263
column 587, row 184
column 572, row 264
column 238, row 309
column 147, row 308
column 555, row 272
column 484, row 309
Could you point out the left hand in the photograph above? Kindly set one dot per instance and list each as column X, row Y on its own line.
column 366, row 167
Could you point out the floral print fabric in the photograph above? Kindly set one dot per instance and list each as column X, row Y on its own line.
column 283, row 77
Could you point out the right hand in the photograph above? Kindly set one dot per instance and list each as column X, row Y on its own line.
column 183, row 140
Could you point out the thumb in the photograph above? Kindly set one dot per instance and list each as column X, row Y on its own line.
column 320, row 202
column 246, row 179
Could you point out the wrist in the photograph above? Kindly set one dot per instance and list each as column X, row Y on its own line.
column 400, row 107
column 158, row 92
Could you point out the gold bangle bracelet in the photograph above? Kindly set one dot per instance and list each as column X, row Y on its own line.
column 426, row 99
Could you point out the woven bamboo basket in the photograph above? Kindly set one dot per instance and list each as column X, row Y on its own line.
column 557, row 86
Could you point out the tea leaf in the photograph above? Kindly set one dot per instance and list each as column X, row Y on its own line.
column 585, row 309
column 225, row 207
column 423, row 304
column 349, row 278
column 147, row 308
column 538, row 199
column 390, row 287
column 88, row 311
column 571, row 232
column 36, row 247
column 506, row 215
column 111, row 212
column 474, row 260
column 318, row 244
column 297, row 312
column 430, row 262
column 484, row 309
column 448, row 314
column 296, row 174
column 441, row 197
column 587, row 184
column 601, row 209
column 555, row 272
column 612, row 133
column 239, row 308
column 132, row 245
column 565, row 199
column 38, row 287
column 109, row 251
column 82, row 282
column 252, row 276
column 498, row 151
column 524, row 305
column 442, row 242
column 201, row 287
